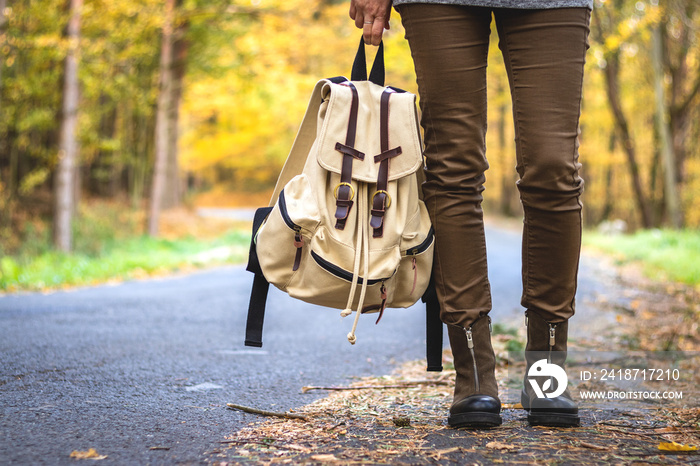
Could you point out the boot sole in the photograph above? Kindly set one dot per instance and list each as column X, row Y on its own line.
column 553, row 419
column 477, row 419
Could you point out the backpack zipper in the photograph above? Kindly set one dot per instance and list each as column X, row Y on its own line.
column 342, row 273
column 422, row 247
column 285, row 213
column 298, row 239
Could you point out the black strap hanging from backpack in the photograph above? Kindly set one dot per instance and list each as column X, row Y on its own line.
column 258, row 295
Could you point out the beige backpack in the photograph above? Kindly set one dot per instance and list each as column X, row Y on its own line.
column 346, row 227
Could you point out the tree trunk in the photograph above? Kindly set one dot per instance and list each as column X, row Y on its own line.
column 162, row 130
column 3, row 23
column 174, row 188
column 6, row 213
column 673, row 206
column 65, row 177
column 508, row 176
column 622, row 127
column 608, row 203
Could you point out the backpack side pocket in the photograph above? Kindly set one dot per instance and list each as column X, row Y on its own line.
column 413, row 274
column 282, row 242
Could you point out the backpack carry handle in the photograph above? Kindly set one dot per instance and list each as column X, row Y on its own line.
column 359, row 67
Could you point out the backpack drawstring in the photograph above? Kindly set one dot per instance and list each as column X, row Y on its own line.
column 355, row 269
column 362, row 233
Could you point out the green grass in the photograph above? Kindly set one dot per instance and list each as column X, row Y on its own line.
column 662, row 254
column 122, row 259
column 110, row 245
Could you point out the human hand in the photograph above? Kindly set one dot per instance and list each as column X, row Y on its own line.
column 372, row 16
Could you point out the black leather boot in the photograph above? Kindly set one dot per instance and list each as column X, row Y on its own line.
column 476, row 402
column 546, row 343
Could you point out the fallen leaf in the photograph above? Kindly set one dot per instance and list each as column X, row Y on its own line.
column 500, row 446
column 511, row 406
column 674, row 446
column 324, row 458
column 91, row 454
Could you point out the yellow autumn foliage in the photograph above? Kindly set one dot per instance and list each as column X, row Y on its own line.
column 238, row 126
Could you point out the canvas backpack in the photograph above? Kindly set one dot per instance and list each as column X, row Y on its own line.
column 346, row 227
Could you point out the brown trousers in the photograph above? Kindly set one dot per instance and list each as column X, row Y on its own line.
column 544, row 54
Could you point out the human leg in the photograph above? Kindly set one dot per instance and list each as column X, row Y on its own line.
column 449, row 45
column 544, row 52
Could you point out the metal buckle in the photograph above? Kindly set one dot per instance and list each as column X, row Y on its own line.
column 352, row 190
column 388, row 197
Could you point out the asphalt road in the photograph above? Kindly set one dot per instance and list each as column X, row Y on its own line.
column 142, row 371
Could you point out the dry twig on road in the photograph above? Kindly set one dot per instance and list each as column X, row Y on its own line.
column 410, row 384
column 248, row 409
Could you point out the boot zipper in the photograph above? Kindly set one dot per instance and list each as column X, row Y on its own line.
column 552, row 341
column 470, row 345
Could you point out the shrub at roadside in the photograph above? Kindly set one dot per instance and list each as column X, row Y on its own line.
column 663, row 254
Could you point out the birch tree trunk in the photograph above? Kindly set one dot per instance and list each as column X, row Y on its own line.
column 65, row 176
column 162, row 131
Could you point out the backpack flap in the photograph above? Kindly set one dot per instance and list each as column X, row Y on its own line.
column 402, row 125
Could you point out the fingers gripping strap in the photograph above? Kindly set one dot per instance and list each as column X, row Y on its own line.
column 380, row 200
column 344, row 200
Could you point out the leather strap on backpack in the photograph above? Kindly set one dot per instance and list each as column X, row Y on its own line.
column 344, row 192
column 381, row 199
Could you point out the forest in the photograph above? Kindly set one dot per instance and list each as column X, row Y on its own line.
column 151, row 102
